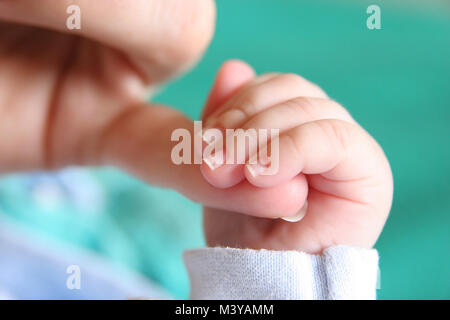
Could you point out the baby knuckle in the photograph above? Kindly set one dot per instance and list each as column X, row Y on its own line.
column 293, row 138
column 302, row 105
column 343, row 112
column 293, row 78
column 338, row 132
column 249, row 103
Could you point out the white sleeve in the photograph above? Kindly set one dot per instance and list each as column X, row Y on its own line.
column 342, row 272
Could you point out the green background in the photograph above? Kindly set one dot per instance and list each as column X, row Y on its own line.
column 396, row 83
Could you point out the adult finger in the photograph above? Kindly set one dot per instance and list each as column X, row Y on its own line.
column 161, row 37
column 147, row 152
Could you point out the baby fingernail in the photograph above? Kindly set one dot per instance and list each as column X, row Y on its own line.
column 207, row 139
column 255, row 169
column 259, row 168
column 299, row 216
column 232, row 118
column 214, row 161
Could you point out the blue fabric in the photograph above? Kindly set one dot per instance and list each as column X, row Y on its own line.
column 111, row 213
column 36, row 268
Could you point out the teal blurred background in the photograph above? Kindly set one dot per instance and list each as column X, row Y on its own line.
column 396, row 83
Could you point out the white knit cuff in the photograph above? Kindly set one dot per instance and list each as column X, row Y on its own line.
column 342, row 272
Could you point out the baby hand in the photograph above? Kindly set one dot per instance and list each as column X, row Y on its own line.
column 347, row 181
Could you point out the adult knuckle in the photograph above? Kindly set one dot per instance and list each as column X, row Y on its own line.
column 194, row 25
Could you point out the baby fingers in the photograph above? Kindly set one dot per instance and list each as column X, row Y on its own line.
column 260, row 94
column 335, row 148
column 282, row 116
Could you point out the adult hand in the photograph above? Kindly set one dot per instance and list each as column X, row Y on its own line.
column 64, row 92
column 77, row 97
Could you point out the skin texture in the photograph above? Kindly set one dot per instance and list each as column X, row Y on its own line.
column 78, row 97
column 347, row 179
column 60, row 92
